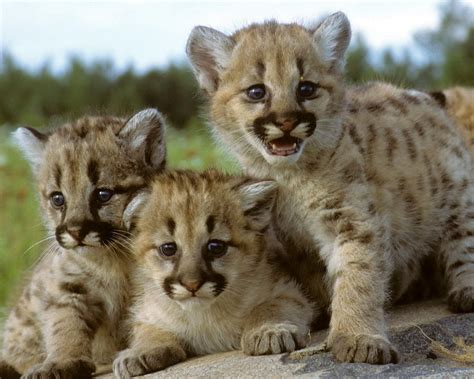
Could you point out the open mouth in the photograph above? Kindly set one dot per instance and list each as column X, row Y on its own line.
column 283, row 146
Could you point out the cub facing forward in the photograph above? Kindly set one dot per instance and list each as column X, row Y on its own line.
column 373, row 179
column 88, row 173
column 209, row 277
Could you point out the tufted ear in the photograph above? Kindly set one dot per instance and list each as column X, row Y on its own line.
column 132, row 211
column 209, row 52
column 144, row 134
column 332, row 38
column 257, row 199
column 31, row 142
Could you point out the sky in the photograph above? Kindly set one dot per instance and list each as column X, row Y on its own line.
column 147, row 34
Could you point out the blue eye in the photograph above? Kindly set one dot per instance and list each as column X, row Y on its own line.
column 104, row 195
column 217, row 248
column 168, row 249
column 57, row 199
column 256, row 92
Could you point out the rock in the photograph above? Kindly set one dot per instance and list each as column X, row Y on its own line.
column 412, row 326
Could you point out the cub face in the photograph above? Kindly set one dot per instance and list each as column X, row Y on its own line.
column 200, row 234
column 88, row 173
column 273, row 87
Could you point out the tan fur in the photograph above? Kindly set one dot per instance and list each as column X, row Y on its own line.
column 68, row 317
column 197, row 302
column 375, row 180
column 459, row 103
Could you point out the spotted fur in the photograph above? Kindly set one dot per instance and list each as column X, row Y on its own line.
column 373, row 179
column 223, row 287
column 69, row 315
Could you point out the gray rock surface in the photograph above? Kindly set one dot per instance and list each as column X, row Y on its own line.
column 412, row 326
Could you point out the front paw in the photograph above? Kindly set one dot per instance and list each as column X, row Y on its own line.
column 363, row 348
column 135, row 363
column 70, row 369
column 273, row 339
column 461, row 300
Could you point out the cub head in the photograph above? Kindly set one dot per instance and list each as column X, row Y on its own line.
column 201, row 235
column 90, row 171
column 273, row 87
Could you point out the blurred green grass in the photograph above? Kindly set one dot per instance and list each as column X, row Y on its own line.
column 20, row 221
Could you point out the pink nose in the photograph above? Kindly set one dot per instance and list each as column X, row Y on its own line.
column 192, row 285
column 75, row 233
column 287, row 125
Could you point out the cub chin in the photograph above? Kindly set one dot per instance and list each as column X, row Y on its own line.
column 209, row 275
column 89, row 173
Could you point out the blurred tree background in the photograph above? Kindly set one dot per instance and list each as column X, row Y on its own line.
column 440, row 58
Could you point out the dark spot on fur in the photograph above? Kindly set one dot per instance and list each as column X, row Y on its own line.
column 171, row 224
column 76, row 288
column 210, row 224
column 93, row 171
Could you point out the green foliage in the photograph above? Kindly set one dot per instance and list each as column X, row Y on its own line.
column 42, row 98
column 36, row 98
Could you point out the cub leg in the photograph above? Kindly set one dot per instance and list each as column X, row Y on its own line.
column 457, row 254
column 68, row 327
column 279, row 325
column 152, row 349
column 357, row 328
column 22, row 343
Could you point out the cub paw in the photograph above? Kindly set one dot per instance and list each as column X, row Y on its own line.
column 73, row 369
column 462, row 300
column 135, row 363
column 363, row 348
column 273, row 339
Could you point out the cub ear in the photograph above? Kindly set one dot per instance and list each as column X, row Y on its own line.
column 209, row 52
column 257, row 199
column 31, row 142
column 144, row 134
column 332, row 38
column 132, row 211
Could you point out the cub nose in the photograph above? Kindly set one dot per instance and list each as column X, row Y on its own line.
column 192, row 285
column 75, row 232
column 287, row 124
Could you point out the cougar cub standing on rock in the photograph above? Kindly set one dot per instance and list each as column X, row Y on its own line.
column 89, row 173
column 373, row 179
column 209, row 277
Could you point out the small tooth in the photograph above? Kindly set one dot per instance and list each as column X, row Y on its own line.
column 274, row 146
column 294, row 145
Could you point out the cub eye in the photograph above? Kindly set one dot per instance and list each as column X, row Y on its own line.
column 217, row 248
column 57, row 199
column 306, row 90
column 256, row 92
column 104, row 195
column 168, row 249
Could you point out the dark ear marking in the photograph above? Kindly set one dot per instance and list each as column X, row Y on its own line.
column 42, row 137
column 210, row 223
column 439, row 97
